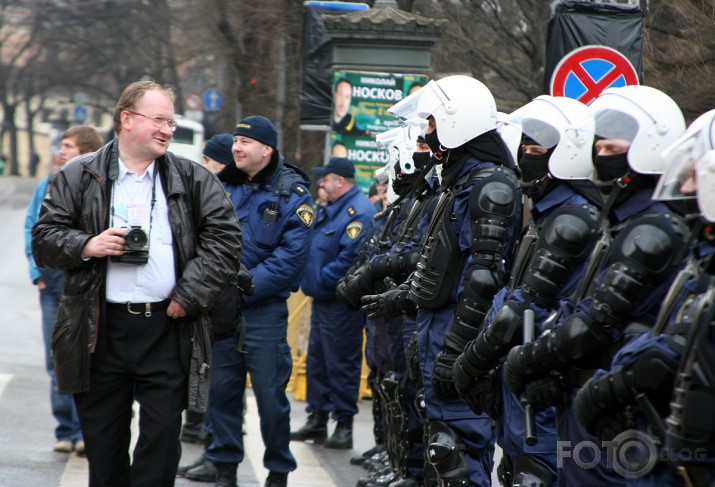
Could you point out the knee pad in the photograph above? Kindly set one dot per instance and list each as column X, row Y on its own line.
column 446, row 454
column 530, row 473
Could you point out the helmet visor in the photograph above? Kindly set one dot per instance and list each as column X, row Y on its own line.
column 420, row 104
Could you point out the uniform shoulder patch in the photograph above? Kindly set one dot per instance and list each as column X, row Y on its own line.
column 306, row 214
column 354, row 229
column 351, row 211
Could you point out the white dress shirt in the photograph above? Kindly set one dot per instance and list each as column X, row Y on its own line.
column 131, row 206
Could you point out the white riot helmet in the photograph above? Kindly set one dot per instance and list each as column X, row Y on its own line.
column 510, row 133
column 400, row 144
column 462, row 107
column 645, row 117
column 562, row 122
column 691, row 156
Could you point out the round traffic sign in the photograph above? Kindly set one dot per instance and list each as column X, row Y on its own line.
column 586, row 71
column 193, row 101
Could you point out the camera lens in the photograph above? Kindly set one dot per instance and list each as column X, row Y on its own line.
column 136, row 238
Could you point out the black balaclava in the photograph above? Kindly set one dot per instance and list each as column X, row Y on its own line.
column 610, row 168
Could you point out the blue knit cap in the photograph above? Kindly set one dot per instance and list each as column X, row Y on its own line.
column 258, row 128
column 219, row 147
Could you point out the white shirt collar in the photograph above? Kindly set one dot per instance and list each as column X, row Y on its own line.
column 123, row 171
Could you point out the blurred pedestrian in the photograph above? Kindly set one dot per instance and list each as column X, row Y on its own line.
column 217, row 152
column 68, row 435
column 336, row 331
column 148, row 240
column 34, row 163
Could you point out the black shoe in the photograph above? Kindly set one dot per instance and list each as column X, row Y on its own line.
column 181, row 471
column 372, row 478
column 342, row 437
column 226, row 474
column 384, row 480
column 362, row 458
column 193, row 435
column 405, row 483
column 206, row 472
column 276, row 479
column 316, row 429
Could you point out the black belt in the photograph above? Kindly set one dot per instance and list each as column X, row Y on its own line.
column 139, row 308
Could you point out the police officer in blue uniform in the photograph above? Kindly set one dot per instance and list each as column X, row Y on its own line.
column 335, row 342
column 272, row 202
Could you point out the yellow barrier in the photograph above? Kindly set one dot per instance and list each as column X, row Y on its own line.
column 298, row 332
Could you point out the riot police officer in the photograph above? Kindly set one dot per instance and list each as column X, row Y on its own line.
column 637, row 390
column 549, row 263
column 466, row 255
column 628, row 271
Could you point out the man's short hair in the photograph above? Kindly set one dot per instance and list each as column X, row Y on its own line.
column 133, row 93
column 86, row 138
column 342, row 80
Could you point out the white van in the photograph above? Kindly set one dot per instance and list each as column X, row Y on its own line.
column 188, row 140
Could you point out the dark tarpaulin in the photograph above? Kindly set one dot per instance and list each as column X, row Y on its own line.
column 576, row 24
column 317, row 75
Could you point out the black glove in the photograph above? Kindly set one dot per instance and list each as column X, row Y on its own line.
column 385, row 305
column 513, row 376
column 342, row 291
column 483, row 394
column 547, row 391
column 442, row 377
column 462, row 378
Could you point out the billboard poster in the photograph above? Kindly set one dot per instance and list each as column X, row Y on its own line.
column 359, row 112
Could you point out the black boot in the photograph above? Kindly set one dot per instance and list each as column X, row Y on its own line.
column 206, row 472
column 364, row 456
column 316, row 429
column 181, row 471
column 342, row 437
column 226, row 474
column 193, row 429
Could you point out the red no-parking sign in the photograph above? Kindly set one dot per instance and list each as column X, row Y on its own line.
column 586, row 71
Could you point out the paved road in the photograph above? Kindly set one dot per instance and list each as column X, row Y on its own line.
column 26, row 456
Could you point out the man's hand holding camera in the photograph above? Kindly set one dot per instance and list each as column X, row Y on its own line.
column 108, row 243
column 111, row 243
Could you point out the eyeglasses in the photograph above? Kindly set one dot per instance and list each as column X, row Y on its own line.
column 158, row 121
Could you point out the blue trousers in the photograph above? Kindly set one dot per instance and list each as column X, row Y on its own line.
column 572, row 473
column 511, row 429
column 476, row 432
column 63, row 407
column 334, row 359
column 268, row 359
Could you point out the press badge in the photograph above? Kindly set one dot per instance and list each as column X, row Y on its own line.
column 136, row 214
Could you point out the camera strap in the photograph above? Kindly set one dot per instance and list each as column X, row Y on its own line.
column 151, row 205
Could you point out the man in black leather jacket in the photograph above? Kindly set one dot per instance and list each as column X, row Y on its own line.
column 133, row 326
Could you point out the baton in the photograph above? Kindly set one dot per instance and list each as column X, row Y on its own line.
column 529, row 419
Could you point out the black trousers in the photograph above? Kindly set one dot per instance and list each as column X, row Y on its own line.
column 138, row 358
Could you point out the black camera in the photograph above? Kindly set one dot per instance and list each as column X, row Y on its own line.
column 136, row 249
